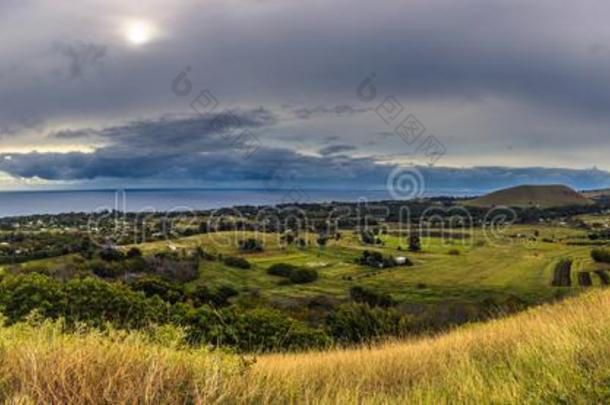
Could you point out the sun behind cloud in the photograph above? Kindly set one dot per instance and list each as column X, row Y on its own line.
column 139, row 32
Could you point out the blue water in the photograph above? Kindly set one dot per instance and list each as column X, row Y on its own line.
column 55, row 202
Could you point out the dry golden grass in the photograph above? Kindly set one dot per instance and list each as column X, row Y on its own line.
column 39, row 364
column 556, row 353
column 553, row 354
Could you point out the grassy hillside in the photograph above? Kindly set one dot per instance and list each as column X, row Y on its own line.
column 532, row 196
column 557, row 353
column 487, row 265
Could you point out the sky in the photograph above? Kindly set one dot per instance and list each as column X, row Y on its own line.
column 466, row 95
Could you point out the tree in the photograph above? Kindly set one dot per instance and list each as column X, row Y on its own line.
column 322, row 240
column 289, row 238
column 251, row 245
column 414, row 243
column 133, row 253
column 111, row 254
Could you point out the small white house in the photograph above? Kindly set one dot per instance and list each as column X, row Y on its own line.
column 400, row 260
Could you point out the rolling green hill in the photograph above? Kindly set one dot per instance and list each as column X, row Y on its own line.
column 544, row 196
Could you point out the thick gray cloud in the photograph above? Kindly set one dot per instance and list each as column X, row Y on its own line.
column 81, row 57
column 334, row 149
column 512, row 83
column 175, row 150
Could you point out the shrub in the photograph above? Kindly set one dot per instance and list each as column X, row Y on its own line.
column 257, row 330
column 96, row 302
column 134, row 252
column 414, row 243
column 270, row 330
column 365, row 295
column 295, row 274
column 202, row 295
column 601, row 255
column 135, row 265
column 251, row 245
column 105, row 269
column 376, row 259
column 152, row 286
column 89, row 300
column 111, row 254
column 281, row 269
column 238, row 262
column 20, row 295
column 223, row 293
column 359, row 323
column 302, row 276
column 369, row 238
column 322, row 240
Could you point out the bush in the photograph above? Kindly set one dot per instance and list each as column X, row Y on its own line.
column 96, row 302
column 359, row 323
column 294, row 274
column 369, row 238
column 377, row 260
column 414, row 243
column 134, row 252
column 111, row 254
column 365, row 295
column 223, row 293
column 302, row 276
column 601, row 255
column 20, row 295
column 261, row 330
column 281, row 269
column 257, row 330
column 105, row 269
column 152, row 286
column 202, row 295
column 238, row 262
column 251, row 245
column 89, row 300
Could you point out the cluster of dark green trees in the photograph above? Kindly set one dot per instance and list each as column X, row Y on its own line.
column 205, row 314
column 601, row 255
column 294, row 274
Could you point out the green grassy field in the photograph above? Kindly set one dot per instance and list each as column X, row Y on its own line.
column 507, row 264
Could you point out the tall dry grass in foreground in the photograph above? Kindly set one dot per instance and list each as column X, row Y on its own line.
column 39, row 364
column 557, row 353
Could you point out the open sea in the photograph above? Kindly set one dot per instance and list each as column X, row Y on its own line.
column 16, row 203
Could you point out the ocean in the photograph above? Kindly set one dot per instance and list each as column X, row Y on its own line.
column 16, row 203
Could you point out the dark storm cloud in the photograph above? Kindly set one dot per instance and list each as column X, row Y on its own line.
column 193, row 148
column 183, row 148
column 317, row 111
column 173, row 134
column 334, row 149
column 19, row 124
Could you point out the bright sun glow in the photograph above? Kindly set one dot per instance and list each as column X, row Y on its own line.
column 139, row 32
